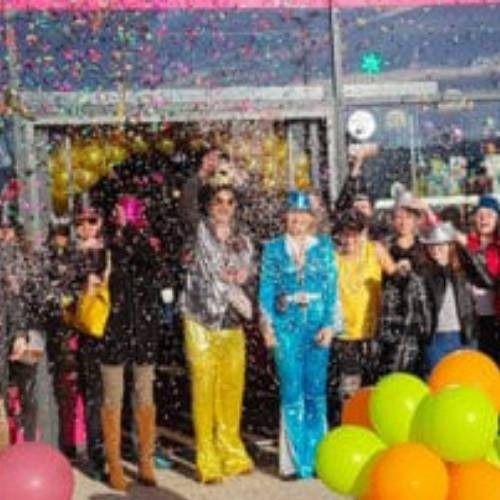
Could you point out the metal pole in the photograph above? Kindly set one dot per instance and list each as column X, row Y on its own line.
column 338, row 154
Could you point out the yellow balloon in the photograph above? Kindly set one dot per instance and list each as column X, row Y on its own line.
column 138, row 144
column 92, row 157
column 60, row 201
column 60, row 179
column 281, row 150
column 85, row 179
column 56, row 162
column 77, row 156
column 269, row 173
column 302, row 182
column 115, row 154
column 269, row 144
column 165, row 145
column 303, row 171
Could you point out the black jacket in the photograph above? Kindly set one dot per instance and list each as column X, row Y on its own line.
column 473, row 273
column 134, row 322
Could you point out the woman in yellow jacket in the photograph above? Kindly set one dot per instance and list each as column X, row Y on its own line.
column 361, row 265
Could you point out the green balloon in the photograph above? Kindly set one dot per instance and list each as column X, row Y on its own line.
column 461, row 425
column 344, row 458
column 421, row 430
column 493, row 456
column 393, row 405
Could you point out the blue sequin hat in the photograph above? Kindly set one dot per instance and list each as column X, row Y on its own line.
column 298, row 201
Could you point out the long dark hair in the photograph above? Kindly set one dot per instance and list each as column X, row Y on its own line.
column 209, row 192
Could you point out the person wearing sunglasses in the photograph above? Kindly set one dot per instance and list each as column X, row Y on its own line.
column 214, row 306
column 79, row 378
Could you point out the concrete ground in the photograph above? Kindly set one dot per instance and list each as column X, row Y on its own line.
column 178, row 483
column 174, row 485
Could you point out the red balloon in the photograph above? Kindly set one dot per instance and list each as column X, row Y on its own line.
column 35, row 471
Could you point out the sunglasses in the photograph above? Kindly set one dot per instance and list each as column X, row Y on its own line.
column 230, row 202
column 91, row 221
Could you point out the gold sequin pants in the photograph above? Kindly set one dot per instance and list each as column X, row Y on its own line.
column 217, row 363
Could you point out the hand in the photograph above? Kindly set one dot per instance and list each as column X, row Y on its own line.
column 461, row 238
column 19, row 347
column 403, row 266
column 270, row 340
column 209, row 163
column 93, row 282
column 355, row 163
column 234, row 275
column 324, row 337
column 241, row 276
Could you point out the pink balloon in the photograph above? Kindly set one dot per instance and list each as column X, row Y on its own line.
column 35, row 471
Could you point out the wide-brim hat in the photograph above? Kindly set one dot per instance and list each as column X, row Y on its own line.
column 441, row 233
column 407, row 201
column 298, row 201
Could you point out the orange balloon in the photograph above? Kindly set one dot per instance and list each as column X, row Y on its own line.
column 408, row 471
column 355, row 410
column 468, row 367
column 474, row 481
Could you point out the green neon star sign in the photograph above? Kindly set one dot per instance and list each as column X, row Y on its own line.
column 371, row 63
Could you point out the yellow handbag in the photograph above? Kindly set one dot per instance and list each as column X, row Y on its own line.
column 91, row 311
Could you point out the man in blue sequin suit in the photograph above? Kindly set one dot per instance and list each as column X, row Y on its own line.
column 299, row 313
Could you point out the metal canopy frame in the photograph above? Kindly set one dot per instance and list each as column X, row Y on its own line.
column 55, row 109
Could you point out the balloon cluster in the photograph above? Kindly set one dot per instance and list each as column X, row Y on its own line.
column 79, row 168
column 404, row 439
column 269, row 155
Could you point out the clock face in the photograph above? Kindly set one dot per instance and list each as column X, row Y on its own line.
column 361, row 125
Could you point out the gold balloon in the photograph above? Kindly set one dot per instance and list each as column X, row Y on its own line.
column 60, row 179
column 92, row 157
column 60, row 201
column 77, row 156
column 56, row 162
column 269, row 173
column 138, row 144
column 115, row 154
column 165, row 145
column 303, row 171
column 85, row 179
column 281, row 150
column 302, row 182
column 269, row 144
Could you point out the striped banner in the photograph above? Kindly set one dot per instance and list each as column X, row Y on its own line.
column 144, row 5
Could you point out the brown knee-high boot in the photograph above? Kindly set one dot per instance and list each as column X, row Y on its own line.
column 111, row 430
column 145, row 416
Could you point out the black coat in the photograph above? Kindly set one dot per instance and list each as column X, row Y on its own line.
column 134, row 322
column 472, row 273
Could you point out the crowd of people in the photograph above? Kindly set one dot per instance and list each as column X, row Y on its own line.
column 329, row 283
